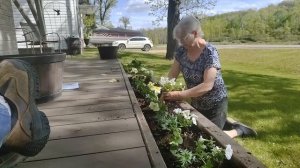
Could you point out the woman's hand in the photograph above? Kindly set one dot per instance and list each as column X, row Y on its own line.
column 174, row 95
column 199, row 42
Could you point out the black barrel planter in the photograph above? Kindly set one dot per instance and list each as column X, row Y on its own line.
column 50, row 68
column 108, row 52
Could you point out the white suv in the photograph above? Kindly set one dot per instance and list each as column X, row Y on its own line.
column 143, row 43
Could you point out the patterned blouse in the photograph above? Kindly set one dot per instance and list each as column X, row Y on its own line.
column 193, row 73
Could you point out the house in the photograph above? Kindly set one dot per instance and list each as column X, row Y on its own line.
column 62, row 20
column 8, row 42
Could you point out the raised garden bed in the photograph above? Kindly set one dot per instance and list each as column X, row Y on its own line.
column 240, row 158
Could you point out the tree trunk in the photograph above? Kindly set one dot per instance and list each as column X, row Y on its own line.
column 173, row 19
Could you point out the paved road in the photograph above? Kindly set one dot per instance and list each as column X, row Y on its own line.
column 162, row 48
column 256, row 46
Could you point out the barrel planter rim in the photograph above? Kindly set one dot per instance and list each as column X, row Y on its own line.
column 36, row 58
column 50, row 71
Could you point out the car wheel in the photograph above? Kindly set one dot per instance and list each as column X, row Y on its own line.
column 121, row 47
column 147, row 47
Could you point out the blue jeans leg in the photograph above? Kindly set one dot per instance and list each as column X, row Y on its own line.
column 5, row 122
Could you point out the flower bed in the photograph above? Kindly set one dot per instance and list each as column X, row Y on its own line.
column 175, row 127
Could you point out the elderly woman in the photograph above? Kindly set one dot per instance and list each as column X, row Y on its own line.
column 199, row 63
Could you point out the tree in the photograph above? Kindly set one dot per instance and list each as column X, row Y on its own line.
column 105, row 7
column 125, row 21
column 174, row 9
column 89, row 25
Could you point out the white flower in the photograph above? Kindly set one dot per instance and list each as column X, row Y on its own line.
column 154, row 88
column 172, row 81
column 134, row 70
column 194, row 119
column 201, row 139
column 186, row 114
column 163, row 80
column 228, row 152
column 154, row 106
column 143, row 69
column 177, row 111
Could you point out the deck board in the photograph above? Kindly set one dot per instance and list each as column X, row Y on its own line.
column 95, row 125
column 121, row 158
column 93, row 128
column 90, row 144
column 90, row 117
column 87, row 108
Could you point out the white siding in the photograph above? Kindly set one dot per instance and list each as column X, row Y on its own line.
column 65, row 24
column 8, row 43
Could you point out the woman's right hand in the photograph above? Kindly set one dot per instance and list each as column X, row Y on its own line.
column 172, row 96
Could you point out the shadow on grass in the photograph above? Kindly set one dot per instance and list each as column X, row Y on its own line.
column 265, row 98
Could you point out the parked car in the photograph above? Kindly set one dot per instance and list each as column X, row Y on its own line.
column 139, row 42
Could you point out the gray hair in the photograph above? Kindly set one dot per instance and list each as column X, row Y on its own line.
column 185, row 27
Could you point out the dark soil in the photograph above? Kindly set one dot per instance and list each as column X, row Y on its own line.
column 191, row 135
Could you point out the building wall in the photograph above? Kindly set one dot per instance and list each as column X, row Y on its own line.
column 8, row 43
column 60, row 17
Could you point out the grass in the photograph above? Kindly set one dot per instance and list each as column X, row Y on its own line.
column 264, row 93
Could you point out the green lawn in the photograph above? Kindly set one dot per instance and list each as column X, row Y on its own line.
column 264, row 93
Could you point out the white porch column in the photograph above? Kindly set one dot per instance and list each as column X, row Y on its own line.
column 8, row 42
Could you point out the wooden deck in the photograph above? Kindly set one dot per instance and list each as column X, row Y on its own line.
column 94, row 126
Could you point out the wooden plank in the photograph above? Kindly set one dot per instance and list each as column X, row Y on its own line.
column 155, row 156
column 99, row 80
column 103, row 87
column 131, row 158
column 90, row 117
column 100, row 85
column 90, row 144
column 112, row 90
column 93, row 128
column 90, row 95
column 104, row 106
column 71, row 77
column 71, row 103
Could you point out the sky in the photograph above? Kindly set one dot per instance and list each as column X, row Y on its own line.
column 138, row 12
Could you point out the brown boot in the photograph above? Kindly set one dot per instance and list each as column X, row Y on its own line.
column 31, row 130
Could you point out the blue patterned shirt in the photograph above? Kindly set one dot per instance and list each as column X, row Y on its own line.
column 193, row 73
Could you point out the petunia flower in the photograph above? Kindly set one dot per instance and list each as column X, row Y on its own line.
column 177, row 111
column 228, row 152
column 154, row 106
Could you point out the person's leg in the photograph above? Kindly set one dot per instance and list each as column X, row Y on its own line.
column 218, row 114
column 30, row 130
column 5, row 120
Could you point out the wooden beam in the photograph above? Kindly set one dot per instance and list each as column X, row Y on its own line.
column 25, row 16
column 40, row 16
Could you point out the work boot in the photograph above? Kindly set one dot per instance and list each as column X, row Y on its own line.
column 30, row 131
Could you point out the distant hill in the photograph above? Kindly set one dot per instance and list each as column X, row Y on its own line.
column 271, row 24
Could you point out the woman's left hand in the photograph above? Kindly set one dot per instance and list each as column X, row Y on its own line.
column 174, row 95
